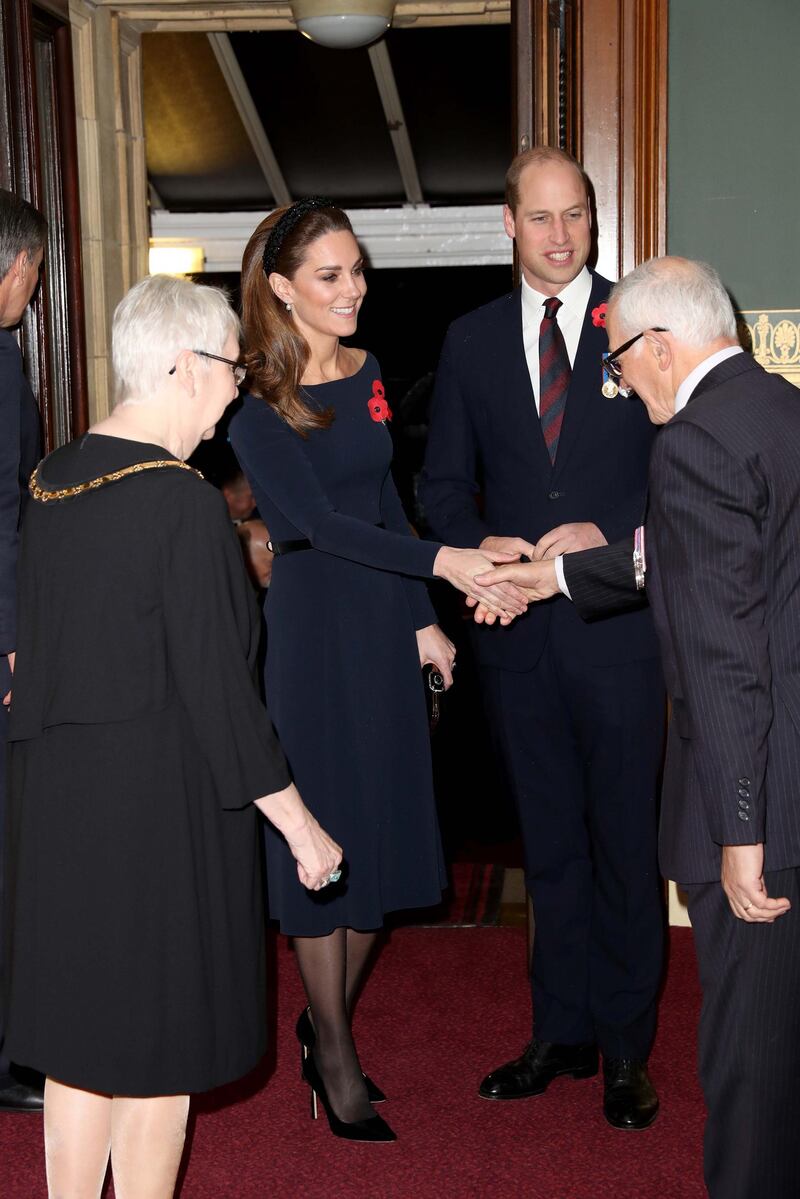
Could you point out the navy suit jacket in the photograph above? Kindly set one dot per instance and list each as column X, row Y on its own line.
column 488, row 472
column 723, row 578
column 19, row 453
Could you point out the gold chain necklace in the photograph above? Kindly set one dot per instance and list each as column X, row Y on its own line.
column 65, row 493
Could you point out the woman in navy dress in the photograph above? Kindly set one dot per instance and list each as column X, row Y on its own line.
column 349, row 625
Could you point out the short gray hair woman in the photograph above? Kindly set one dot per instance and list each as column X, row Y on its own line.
column 139, row 748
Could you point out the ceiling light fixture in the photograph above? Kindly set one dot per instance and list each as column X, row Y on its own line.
column 343, row 24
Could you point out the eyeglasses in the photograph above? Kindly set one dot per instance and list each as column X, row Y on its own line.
column 239, row 371
column 610, row 357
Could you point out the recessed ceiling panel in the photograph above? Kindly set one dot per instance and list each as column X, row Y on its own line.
column 455, row 87
column 199, row 156
column 323, row 116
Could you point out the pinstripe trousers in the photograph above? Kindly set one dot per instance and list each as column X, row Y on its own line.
column 749, row 1043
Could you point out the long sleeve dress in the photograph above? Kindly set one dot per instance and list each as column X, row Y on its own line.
column 343, row 675
column 139, row 743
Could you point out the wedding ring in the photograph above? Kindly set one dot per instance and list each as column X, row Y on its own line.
column 334, row 876
column 747, row 906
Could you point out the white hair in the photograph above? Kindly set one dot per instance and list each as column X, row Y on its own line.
column 157, row 319
column 678, row 294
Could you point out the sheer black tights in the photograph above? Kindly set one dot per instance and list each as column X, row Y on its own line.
column 332, row 969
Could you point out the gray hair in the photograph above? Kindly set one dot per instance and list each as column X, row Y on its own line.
column 158, row 318
column 23, row 229
column 679, row 294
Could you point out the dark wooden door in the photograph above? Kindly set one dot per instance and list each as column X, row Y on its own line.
column 39, row 161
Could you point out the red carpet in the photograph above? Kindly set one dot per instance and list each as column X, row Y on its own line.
column 471, row 900
column 443, row 1006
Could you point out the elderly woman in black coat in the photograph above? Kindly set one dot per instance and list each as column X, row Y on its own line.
column 140, row 753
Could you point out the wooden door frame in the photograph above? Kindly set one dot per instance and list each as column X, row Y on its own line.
column 20, row 172
column 615, row 123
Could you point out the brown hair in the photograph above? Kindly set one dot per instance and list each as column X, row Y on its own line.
column 535, row 157
column 275, row 352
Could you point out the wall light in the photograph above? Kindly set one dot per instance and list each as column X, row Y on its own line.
column 176, row 260
column 343, row 24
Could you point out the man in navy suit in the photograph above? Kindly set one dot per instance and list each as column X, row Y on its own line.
column 722, row 561
column 526, row 455
column 22, row 235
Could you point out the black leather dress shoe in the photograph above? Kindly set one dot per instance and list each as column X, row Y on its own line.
column 629, row 1097
column 540, row 1063
column 19, row 1097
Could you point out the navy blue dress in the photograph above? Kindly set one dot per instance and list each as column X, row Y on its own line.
column 342, row 671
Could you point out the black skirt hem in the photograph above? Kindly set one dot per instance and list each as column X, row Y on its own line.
column 360, row 925
column 178, row 1084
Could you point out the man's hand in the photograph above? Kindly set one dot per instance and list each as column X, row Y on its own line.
column 537, row 580
column 566, row 539
column 743, row 883
column 461, row 566
column 507, row 545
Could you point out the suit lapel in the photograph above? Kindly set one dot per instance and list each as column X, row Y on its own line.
column 584, row 388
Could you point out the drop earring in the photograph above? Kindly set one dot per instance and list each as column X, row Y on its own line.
column 288, row 308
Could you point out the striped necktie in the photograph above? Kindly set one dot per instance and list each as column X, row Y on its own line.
column 554, row 376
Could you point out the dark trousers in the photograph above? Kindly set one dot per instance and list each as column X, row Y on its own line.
column 749, row 1043
column 5, row 683
column 582, row 747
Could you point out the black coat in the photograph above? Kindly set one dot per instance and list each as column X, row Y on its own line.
column 723, row 579
column 723, row 536
column 19, row 453
column 139, row 744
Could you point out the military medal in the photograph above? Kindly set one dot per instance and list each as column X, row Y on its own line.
column 609, row 389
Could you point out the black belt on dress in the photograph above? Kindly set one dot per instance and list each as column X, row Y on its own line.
column 301, row 543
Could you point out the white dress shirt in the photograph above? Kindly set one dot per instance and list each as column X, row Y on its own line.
column 574, row 299
column 686, row 389
column 682, row 397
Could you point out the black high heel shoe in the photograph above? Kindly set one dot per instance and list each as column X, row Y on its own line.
column 307, row 1038
column 373, row 1129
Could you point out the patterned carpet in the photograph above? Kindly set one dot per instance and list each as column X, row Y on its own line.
column 444, row 1005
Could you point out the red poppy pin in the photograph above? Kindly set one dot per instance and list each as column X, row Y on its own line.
column 599, row 316
column 379, row 410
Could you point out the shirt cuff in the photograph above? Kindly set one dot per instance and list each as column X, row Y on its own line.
column 560, row 579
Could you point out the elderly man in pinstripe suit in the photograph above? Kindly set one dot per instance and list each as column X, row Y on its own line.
column 723, row 580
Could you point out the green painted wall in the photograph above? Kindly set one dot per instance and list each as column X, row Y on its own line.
column 733, row 194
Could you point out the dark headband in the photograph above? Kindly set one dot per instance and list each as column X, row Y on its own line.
column 284, row 225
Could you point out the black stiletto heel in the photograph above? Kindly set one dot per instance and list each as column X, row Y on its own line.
column 374, row 1129
column 307, row 1038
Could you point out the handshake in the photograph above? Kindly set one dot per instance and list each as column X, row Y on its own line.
column 498, row 584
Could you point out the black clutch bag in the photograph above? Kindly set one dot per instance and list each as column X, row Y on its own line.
column 434, row 688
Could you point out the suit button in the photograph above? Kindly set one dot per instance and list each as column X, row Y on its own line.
column 553, row 495
column 744, row 782
column 743, row 815
column 744, row 805
column 744, row 794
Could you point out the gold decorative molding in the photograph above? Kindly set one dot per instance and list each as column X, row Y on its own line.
column 773, row 337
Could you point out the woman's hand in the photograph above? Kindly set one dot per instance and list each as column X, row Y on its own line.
column 317, row 855
column 434, row 647
column 459, row 568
